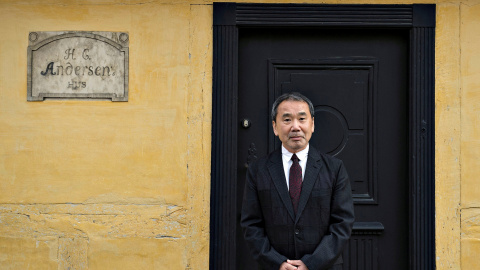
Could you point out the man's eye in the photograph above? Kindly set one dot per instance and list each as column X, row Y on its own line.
column 286, row 120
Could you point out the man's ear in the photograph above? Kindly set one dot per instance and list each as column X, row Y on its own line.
column 274, row 126
column 313, row 121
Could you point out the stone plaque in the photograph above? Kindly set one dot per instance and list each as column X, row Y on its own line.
column 77, row 65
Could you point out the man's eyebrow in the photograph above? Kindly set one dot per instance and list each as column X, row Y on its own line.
column 290, row 115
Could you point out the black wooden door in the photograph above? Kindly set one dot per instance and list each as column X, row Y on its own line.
column 358, row 83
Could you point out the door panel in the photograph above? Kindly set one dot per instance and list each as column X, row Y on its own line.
column 358, row 83
column 343, row 90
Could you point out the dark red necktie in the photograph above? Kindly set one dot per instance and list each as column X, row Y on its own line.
column 295, row 182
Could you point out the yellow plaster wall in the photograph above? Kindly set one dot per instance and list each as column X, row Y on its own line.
column 447, row 136
column 470, row 134
column 103, row 185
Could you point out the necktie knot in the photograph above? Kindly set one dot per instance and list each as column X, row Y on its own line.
column 295, row 158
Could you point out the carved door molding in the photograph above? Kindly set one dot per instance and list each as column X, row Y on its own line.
column 228, row 18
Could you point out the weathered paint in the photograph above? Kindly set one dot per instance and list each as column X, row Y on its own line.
column 447, row 136
column 470, row 134
column 102, row 185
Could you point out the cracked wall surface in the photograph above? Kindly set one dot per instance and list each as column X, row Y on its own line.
column 102, row 185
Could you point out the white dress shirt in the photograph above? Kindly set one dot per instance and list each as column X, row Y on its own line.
column 287, row 161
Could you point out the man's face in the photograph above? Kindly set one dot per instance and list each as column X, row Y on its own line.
column 294, row 125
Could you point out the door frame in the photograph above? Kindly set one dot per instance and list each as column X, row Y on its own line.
column 228, row 18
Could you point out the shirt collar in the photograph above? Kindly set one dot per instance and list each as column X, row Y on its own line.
column 302, row 155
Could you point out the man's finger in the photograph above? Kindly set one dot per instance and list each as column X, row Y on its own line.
column 287, row 266
column 298, row 264
column 294, row 262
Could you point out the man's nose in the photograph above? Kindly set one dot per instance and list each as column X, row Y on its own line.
column 295, row 125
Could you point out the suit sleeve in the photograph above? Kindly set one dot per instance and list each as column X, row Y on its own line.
column 252, row 223
column 340, row 227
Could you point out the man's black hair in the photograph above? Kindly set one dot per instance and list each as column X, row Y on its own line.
column 292, row 96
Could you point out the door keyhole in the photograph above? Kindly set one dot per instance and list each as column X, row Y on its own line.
column 246, row 123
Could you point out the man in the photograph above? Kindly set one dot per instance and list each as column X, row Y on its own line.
column 297, row 210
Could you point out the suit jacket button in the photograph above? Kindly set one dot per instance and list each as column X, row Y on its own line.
column 297, row 231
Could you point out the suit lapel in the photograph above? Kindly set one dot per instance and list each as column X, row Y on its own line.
column 275, row 168
column 311, row 173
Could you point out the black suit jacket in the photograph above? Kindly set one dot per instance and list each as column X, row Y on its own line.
column 324, row 220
